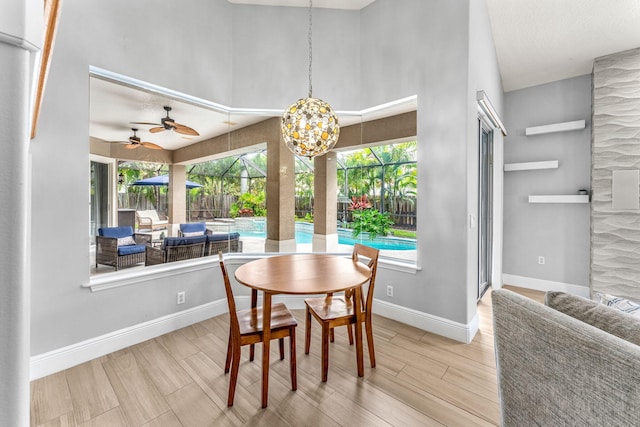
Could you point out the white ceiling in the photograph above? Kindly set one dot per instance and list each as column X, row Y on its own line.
column 536, row 42
column 547, row 40
column 114, row 107
column 117, row 103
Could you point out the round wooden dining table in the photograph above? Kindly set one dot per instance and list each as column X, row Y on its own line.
column 302, row 274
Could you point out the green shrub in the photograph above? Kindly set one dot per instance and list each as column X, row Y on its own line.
column 371, row 221
column 248, row 204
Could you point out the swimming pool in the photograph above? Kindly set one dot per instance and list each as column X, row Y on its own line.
column 304, row 234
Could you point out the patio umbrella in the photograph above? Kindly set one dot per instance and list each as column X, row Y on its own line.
column 162, row 180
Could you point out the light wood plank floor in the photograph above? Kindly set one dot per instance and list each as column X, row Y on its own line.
column 177, row 379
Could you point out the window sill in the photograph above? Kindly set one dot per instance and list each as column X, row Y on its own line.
column 121, row 278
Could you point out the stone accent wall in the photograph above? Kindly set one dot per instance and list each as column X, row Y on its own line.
column 615, row 233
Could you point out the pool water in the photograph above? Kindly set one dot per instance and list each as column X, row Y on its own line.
column 304, row 234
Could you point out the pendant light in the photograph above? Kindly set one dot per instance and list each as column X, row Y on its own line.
column 310, row 126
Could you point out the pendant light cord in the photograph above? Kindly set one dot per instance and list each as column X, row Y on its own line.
column 310, row 48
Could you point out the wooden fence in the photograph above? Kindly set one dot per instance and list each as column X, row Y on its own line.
column 207, row 208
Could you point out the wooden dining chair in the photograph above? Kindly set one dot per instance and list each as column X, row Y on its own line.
column 337, row 310
column 246, row 329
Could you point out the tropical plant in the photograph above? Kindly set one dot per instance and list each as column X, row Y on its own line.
column 248, row 203
column 359, row 203
column 371, row 221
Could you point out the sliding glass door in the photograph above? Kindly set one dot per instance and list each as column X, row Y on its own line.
column 485, row 201
column 99, row 200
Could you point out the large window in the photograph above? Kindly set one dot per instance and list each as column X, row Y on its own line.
column 377, row 198
column 376, row 181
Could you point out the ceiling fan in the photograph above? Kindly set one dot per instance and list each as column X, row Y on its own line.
column 167, row 123
column 134, row 142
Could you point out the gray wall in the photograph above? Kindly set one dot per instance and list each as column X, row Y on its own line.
column 559, row 232
column 241, row 56
column 413, row 62
column 615, row 232
column 190, row 52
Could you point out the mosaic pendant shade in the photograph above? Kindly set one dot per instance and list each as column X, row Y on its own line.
column 310, row 127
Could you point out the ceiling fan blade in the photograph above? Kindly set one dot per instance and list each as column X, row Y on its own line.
column 145, row 123
column 131, row 146
column 158, row 129
column 151, row 145
column 185, row 130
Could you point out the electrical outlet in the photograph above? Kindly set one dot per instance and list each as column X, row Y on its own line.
column 181, row 297
column 541, row 260
column 390, row 291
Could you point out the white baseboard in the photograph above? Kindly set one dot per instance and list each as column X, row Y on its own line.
column 544, row 285
column 427, row 322
column 75, row 354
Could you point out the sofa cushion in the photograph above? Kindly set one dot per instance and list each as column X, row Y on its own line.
column 222, row 236
column 116, row 232
column 618, row 303
column 178, row 241
column 131, row 249
column 193, row 233
column 595, row 314
column 193, row 229
column 128, row 240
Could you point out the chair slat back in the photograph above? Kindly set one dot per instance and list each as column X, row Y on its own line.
column 233, row 317
column 372, row 254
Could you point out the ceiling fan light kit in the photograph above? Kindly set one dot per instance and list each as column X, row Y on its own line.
column 135, row 142
column 310, row 126
column 167, row 123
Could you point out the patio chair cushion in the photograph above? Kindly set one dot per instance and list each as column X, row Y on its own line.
column 125, row 241
column 193, row 229
column 223, row 236
column 130, row 249
column 117, row 232
column 178, row 241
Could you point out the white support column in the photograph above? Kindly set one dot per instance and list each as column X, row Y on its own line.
column 20, row 35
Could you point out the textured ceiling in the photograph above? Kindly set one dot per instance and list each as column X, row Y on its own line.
column 547, row 40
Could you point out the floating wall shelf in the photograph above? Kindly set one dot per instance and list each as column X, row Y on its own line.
column 556, row 127
column 549, row 164
column 571, row 198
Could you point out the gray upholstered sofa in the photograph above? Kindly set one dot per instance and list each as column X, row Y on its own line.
column 581, row 368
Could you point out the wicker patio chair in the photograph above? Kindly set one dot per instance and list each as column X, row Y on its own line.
column 216, row 242
column 120, row 247
column 176, row 249
column 223, row 242
column 149, row 220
